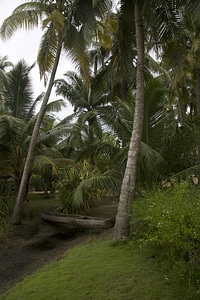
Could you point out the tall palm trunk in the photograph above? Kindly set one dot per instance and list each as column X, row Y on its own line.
column 122, row 224
column 197, row 73
column 16, row 216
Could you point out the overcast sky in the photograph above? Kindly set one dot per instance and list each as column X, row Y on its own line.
column 24, row 45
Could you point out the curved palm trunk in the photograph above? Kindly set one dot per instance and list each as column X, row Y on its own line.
column 122, row 224
column 16, row 216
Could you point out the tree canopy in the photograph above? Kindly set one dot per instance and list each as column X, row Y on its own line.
column 135, row 93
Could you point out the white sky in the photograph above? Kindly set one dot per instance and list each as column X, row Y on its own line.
column 24, row 45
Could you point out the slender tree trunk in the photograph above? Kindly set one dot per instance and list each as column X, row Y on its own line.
column 46, row 193
column 122, row 224
column 180, row 110
column 16, row 216
column 197, row 71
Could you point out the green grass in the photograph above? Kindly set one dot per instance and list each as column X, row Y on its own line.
column 39, row 204
column 101, row 270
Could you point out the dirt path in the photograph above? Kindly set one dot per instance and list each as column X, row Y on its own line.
column 36, row 243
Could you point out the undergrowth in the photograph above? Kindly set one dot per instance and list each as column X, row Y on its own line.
column 6, row 205
column 169, row 218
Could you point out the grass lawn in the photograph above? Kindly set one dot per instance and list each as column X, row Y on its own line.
column 103, row 270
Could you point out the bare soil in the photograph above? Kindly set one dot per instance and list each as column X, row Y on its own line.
column 35, row 243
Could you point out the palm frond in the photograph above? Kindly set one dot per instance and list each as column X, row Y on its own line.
column 55, row 134
column 149, row 159
column 68, row 119
column 107, row 182
column 34, row 105
column 55, row 106
column 10, row 129
column 5, row 63
column 18, row 90
column 56, row 20
column 155, row 108
column 48, row 162
column 25, row 16
column 189, row 172
column 47, row 51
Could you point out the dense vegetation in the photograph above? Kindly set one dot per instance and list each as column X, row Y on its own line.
column 135, row 124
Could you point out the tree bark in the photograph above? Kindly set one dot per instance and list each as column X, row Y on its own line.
column 122, row 224
column 180, row 110
column 16, row 216
column 197, row 72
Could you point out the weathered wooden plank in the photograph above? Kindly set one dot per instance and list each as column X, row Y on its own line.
column 78, row 220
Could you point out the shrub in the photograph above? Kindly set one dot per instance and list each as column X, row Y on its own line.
column 73, row 195
column 6, row 202
column 170, row 218
column 36, row 183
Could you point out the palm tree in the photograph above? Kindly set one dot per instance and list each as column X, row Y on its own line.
column 16, row 125
column 61, row 23
column 18, row 93
column 164, row 14
column 186, row 68
column 28, row 15
column 16, row 119
column 48, row 159
column 4, row 65
column 88, row 102
column 121, row 229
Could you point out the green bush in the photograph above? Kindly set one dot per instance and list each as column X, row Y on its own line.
column 36, row 183
column 169, row 218
column 74, row 190
column 6, row 202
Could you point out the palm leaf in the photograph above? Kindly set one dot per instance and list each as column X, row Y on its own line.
column 107, row 182
column 10, row 129
column 25, row 16
column 18, row 90
column 33, row 107
column 55, row 106
column 47, row 51
column 49, row 162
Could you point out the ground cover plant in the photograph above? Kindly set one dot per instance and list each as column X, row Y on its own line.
column 169, row 218
column 6, row 205
column 39, row 203
column 102, row 270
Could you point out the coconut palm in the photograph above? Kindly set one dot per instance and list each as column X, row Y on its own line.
column 88, row 102
column 4, row 65
column 18, row 120
column 166, row 17
column 61, row 22
column 121, row 228
column 28, row 15
column 186, row 68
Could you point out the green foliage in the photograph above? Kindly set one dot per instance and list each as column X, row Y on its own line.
column 36, row 183
column 72, row 194
column 6, row 202
column 169, row 218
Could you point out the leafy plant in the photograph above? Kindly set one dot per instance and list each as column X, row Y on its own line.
column 169, row 218
column 6, row 202
column 82, row 186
